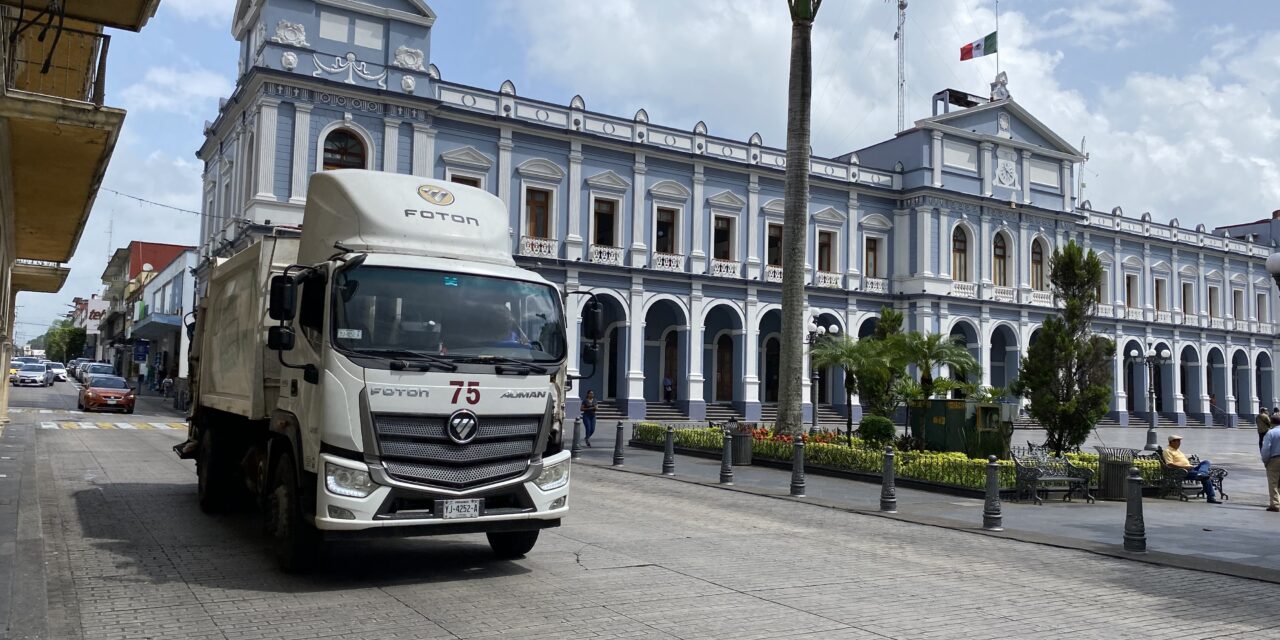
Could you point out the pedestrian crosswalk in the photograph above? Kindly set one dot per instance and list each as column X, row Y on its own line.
column 77, row 425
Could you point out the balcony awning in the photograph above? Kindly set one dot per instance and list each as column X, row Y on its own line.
column 157, row 326
column 121, row 14
column 40, row 277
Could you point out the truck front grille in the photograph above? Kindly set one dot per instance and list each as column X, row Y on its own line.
column 417, row 449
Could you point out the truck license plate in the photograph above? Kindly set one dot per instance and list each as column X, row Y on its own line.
column 461, row 508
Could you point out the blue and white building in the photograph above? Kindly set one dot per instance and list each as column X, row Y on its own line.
column 952, row 221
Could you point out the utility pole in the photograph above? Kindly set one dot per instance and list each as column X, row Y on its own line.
column 901, row 36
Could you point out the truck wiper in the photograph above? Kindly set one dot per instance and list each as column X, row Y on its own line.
column 518, row 366
column 418, row 356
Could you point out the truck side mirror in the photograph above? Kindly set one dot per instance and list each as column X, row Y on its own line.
column 284, row 293
column 280, row 338
column 593, row 320
column 589, row 353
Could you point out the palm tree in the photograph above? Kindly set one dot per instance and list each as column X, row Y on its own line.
column 850, row 355
column 799, row 90
column 930, row 351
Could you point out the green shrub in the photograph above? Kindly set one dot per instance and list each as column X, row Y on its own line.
column 877, row 431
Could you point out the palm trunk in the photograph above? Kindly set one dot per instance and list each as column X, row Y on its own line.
column 794, row 231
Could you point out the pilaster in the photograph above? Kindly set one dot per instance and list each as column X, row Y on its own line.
column 936, row 158
column 985, row 151
column 505, row 145
column 390, row 145
column 573, row 243
column 753, row 223
column 1026, row 177
column 266, row 151
column 301, row 153
column 698, row 255
column 639, row 257
column 424, row 151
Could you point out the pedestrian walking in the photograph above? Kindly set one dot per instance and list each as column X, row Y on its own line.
column 1264, row 422
column 1270, row 452
column 589, row 406
column 1275, row 416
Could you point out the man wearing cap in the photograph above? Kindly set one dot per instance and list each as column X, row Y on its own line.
column 1175, row 458
column 1271, row 459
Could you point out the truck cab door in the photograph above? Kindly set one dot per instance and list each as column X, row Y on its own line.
column 297, row 395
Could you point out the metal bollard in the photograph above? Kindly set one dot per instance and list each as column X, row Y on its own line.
column 575, row 451
column 726, row 459
column 797, row 467
column 617, row 447
column 1135, row 530
column 991, row 518
column 888, row 492
column 669, row 453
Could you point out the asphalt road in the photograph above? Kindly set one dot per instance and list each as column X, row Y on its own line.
column 110, row 544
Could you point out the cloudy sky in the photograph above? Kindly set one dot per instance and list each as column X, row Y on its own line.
column 1179, row 100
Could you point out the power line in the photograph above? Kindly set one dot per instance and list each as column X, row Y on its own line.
column 151, row 202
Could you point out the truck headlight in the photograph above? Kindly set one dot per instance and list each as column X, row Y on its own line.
column 343, row 481
column 553, row 477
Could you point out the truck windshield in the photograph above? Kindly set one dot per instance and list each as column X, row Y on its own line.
column 380, row 309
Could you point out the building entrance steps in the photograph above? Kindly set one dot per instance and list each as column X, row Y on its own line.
column 1233, row 538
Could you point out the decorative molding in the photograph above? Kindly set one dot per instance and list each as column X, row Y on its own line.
column 1006, row 173
column 943, row 203
column 829, row 215
column 726, row 200
column 352, row 67
column 541, row 169
column 408, row 83
column 700, row 128
column 290, row 33
column 433, row 71
column 289, row 60
column 642, row 116
column 467, row 157
column 409, row 58
column 508, row 88
column 608, row 181
column 875, row 221
column 669, row 190
column 776, row 206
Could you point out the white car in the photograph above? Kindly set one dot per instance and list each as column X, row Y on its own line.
column 59, row 371
column 34, row 375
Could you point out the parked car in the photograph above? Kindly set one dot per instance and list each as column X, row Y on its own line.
column 32, row 375
column 95, row 369
column 102, row 392
column 59, row 371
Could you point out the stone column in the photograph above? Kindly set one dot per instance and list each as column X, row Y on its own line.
column 987, row 276
column 985, row 151
column 753, row 228
column 693, row 384
column 424, row 151
column 901, row 244
column 855, row 254
column 1117, row 275
column 301, row 153
column 751, row 351
column 1024, row 257
column 266, row 152
column 1148, row 296
column 984, row 349
column 944, row 240
column 505, row 145
column 1026, row 177
column 573, row 325
column 1067, row 187
column 936, row 158
column 924, row 248
column 639, row 257
column 698, row 254
column 635, row 357
column 1119, row 404
column 573, row 243
column 390, row 145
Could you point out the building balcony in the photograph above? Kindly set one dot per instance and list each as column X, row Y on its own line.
column 1003, row 294
column 725, row 268
column 157, row 326
column 1105, row 311
column 1132, row 314
column 827, row 280
column 539, row 247
column 1217, row 323
column 602, row 254
column 1164, row 316
column 668, row 262
column 38, row 276
column 1042, row 298
column 772, row 273
column 964, row 289
column 875, row 285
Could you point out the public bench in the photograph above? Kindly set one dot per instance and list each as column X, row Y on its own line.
column 1174, row 479
column 1037, row 469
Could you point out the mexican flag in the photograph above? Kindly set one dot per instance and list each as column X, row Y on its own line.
column 979, row 48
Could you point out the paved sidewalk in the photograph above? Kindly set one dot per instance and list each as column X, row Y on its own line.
column 1232, row 538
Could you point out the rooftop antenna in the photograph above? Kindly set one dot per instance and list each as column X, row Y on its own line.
column 901, row 37
column 1080, row 178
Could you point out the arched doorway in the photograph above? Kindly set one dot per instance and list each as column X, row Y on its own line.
column 1242, row 384
column 1216, row 377
column 723, row 351
column 665, row 352
column 769, row 333
column 1135, row 377
column 1192, row 383
column 830, row 379
column 1265, row 380
column 1004, row 356
column 608, row 376
column 868, row 327
column 965, row 333
column 1163, row 379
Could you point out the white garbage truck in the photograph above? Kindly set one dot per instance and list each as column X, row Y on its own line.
column 389, row 370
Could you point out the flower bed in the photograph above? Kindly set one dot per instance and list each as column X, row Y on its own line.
column 829, row 450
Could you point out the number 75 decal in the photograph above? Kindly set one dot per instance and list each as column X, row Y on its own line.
column 472, row 387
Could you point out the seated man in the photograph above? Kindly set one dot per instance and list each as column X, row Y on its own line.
column 1174, row 457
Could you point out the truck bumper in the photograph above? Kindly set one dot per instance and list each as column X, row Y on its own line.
column 397, row 511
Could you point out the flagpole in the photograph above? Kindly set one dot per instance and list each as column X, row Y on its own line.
column 997, row 37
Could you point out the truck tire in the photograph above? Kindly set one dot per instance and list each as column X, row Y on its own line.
column 211, row 474
column 509, row 545
column 295, row 542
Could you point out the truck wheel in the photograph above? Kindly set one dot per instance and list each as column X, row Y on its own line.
column 509, row 545
column 211, row 476
column 296, row 543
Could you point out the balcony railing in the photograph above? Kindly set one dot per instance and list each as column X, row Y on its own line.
column 1132, row 314
column 964, row 289
column 1164, row 316
column 1105, row 311
column 1042, row 298
column 668, row 262
column 725, row 268
column 875, row 285
column 1217, row 323
column 827, row 279
column 1002, row 294
column 601, row 254
column 71, row 64
column 539, row 247
column 772, row 273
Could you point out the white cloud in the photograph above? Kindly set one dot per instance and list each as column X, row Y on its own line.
column 1105, row 24
column 214, row 12
column 191, row 92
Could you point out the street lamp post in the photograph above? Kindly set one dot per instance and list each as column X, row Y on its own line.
column 1152, row 359
column 816, row 331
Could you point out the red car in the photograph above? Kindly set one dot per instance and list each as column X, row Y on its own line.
column 106, row 392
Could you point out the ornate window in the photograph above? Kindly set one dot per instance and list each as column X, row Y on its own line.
column 773, row 247
column 959, row 255
column 871, row 258
column 537, row 213
column 1000, row 262
column 665, row 242
column 826, row 240
column 343, row 150
column 1037, row 266
column 722, row 238
column 605, row 223
column 470, row 181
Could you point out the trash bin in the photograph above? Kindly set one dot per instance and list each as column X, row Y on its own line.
column 1113, row 472
column 741, row 448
